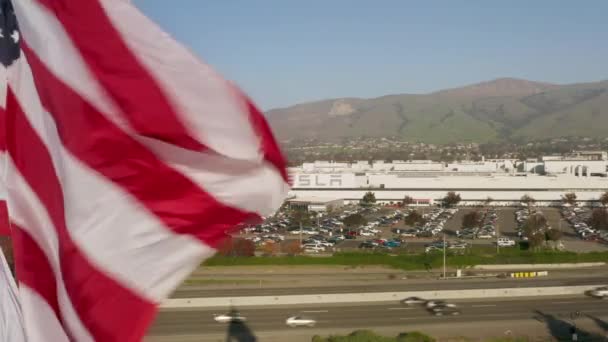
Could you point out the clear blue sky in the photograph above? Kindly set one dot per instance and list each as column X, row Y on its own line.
column 284, row 52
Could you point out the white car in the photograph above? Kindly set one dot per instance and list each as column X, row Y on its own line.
column 435, row 303
column 600, row 292
column 413, row 301
column 298, row 321
column 504, row 242
column 366, row 233
column 227, row 318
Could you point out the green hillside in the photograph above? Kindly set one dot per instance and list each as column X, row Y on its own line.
column 477, row 113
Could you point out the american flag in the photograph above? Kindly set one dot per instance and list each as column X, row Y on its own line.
column 128, row 161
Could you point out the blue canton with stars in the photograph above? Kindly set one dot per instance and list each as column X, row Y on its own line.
column 9, row 34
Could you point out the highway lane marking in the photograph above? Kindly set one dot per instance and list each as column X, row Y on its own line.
column 483, row 305
column 408, row 318
column 399, row 308
column 564, row 302
column 314, row 311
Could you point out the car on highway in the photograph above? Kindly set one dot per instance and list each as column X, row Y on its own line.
column 229, row 317
column 435, row 303
column 599, row 292
column 445, row 310
column 299, row 321
column 413, row 301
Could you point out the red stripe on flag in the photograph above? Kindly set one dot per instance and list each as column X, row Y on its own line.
column 33, row 268
column 128, row 83
column 109, row 311
column 2, row 128
column 5, row 229
column 270, row 148
column 91, row 137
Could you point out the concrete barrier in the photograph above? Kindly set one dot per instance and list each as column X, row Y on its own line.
column 538, row 266
column 529, row 274
column 372, row 297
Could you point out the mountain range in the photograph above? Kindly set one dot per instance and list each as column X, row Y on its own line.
column 501, row 109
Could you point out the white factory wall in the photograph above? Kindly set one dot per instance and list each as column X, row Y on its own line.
column 568, row 166
column 473, row 167
column 418, row 166
column 468, row 197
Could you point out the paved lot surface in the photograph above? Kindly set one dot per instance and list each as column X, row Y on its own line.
column 528, row 316
column 506, row 227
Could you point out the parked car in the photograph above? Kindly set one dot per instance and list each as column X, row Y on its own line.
column 505, row 242
column 392, row 243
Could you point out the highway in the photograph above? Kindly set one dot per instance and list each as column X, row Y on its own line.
column 550, row 312
column 593, row 277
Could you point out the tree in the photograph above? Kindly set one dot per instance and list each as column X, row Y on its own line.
column 451, row 199
column 413, row 218
column 354, row 220
column 292, row 248
column 237, row 247
column 300, row 217
column 407, row 201
column 569, row 198
column 604, row 199
column 536, row 240
column 488, row 201
column 535, row 224
column 599, row 219
column 528, row 201
column 553, row 235
column 271, row 248
column 368, row 199
column 471, row 219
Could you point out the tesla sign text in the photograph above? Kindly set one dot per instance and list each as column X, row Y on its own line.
column 319, row 181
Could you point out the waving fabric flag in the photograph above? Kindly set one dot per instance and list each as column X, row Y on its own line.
column 129, row 159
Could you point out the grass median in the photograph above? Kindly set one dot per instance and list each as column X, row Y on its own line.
column 472, row 257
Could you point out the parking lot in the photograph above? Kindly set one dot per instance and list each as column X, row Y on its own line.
column 385, row 228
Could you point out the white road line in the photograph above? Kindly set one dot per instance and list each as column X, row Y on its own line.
column 563, row 302
column 314, row 311
column 408, row 318
column 483, row 305
column 399, row 308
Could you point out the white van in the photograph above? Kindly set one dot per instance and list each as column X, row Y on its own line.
column 506, row 242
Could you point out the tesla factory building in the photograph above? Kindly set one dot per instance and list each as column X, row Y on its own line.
column 505, row 181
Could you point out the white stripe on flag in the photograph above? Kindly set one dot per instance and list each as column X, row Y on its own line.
column 40, row 321
column 244, row 185
column 179, row 74
column 116, row 238
column 11, row 319
column 26, row 211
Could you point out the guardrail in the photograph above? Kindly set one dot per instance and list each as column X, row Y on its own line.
column 538, row 266
column 372, row 297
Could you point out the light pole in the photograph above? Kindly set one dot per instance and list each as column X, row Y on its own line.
column 497, row 237
column 444, row 256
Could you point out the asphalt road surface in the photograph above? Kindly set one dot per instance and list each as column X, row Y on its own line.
column 555, row 312
column 595, row 277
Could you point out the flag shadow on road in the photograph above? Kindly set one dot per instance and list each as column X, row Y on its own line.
column 238, row 331
column 563, row 330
